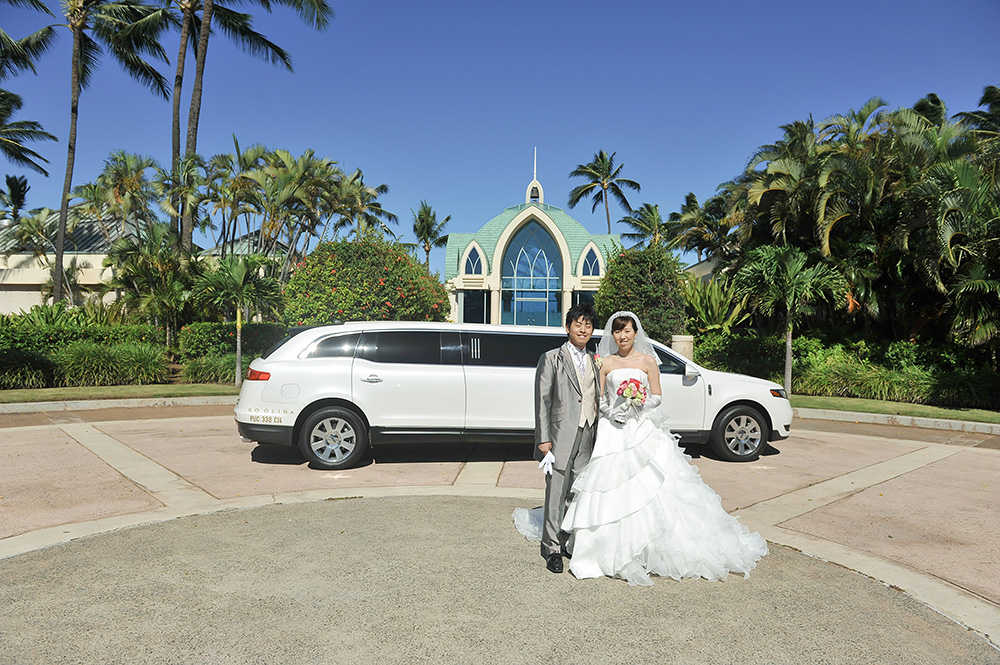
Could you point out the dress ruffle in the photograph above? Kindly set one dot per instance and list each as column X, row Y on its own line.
column 640, row 507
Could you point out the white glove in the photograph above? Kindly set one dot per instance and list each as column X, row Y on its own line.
column 546, row 464
column 619, row 414
column 652, row 401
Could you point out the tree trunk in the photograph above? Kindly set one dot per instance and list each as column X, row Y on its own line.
column 175, row 128
column 239, row 346
column 788, row 359
column 187, row 219
column 74, row 105
column 427, row 261
column 607, row 210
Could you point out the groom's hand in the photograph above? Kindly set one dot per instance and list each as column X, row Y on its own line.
column 545, row 447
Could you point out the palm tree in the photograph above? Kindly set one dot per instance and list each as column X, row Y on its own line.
column 129, row 30
column 429, row 231
column 153, row 276
column 127, row 192
column 14, row 134
column 360, row 209
column 603, row 181
column 775, row 280
column 316, row 13
column 20, row 54
column 14, row 198
column 238, row 283
column 646, row 223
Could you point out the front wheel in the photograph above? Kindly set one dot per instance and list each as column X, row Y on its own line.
column 739, row 434
column 333, row 438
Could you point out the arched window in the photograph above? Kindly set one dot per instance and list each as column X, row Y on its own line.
column 473, row 264
column 591, row 266
column 531, row 278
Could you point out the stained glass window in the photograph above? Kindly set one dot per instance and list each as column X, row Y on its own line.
column 591, row 266
column 473, row 264
column 531, row 278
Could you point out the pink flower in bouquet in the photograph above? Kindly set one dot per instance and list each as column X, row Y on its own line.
column 633, row 391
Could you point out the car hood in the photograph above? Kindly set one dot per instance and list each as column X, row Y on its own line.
column 742, row 378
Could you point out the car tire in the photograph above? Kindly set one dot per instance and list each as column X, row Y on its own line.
column 739, row 435
column 333, row 438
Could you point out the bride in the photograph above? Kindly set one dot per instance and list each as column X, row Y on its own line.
column 640, row 507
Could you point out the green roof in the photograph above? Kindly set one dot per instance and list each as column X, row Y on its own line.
column 576, row 236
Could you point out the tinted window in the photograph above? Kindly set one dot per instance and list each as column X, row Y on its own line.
column 335, row 346
column 414, row 347
column 512, row 350
column 669, row 364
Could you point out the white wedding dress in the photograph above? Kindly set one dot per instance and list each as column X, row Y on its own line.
column 640, row 507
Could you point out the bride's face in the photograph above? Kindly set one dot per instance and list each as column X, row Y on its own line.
column 624, row 338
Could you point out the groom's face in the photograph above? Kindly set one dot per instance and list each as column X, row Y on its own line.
column 580, row 332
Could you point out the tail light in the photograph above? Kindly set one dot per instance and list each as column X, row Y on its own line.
column 257, row 375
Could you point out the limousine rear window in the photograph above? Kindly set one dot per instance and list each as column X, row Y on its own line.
column 335, row 346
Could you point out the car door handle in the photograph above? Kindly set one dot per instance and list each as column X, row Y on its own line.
column 373, row 378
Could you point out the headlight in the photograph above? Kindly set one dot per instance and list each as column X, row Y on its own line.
column 779, row 392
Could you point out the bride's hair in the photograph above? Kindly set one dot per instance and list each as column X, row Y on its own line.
column 620, row 322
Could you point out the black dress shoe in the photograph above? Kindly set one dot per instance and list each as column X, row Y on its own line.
column 554, row 563
column 566, row 553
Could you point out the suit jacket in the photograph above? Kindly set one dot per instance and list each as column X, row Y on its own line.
column 557, row 402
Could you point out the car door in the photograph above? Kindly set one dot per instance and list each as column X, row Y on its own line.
column 500, row 378
column 403, row 381
column 683, row 397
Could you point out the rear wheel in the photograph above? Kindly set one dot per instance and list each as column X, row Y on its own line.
column 333, row 438
column 739, row 434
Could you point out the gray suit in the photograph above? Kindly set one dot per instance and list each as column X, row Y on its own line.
column 558, row 409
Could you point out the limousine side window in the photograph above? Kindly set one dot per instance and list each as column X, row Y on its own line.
column 403, row 346
column 669, row 364
column 507, row 350
column 335, row 346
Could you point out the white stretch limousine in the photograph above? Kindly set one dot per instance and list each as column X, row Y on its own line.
column 333, row 391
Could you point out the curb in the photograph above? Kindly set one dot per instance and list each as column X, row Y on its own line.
column 124, row 403
column 903, row 421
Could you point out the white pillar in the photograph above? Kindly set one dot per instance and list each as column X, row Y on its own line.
column 683, row 344
column 495, row 306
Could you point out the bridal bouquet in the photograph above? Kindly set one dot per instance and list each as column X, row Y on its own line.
column 633, row 392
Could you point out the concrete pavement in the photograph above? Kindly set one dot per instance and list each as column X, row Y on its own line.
column 914, row 509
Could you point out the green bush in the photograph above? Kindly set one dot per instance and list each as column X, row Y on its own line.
column 45, row 340
column 847, row 370
column 646, row 281
column 367, row 280
column 213, row 369
column 210, row 338
column 85, row 363
column 20, row 369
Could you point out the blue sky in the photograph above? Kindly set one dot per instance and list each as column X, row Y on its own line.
column 444, row 100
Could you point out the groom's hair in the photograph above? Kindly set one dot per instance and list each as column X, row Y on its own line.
column 583, row 310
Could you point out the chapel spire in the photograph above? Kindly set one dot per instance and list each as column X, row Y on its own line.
column 534, row 193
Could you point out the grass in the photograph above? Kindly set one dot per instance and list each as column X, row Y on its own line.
column 115, row 392
column 894, row 408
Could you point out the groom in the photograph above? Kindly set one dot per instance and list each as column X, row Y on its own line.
column 566, row 407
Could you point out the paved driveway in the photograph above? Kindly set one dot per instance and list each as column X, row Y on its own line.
column 911, row 508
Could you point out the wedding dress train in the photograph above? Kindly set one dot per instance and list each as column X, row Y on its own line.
column 640, row 507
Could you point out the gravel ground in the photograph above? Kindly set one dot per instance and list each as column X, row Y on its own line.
column 431, row 580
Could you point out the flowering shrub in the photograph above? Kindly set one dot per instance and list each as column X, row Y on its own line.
column 367, row 280
column 646, row 281
column 211, row 338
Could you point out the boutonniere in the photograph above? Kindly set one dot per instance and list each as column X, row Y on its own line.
column 598, row 361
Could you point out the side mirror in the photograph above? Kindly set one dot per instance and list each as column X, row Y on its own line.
column 691, row 372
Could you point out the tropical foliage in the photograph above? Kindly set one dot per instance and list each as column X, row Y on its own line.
column 429, row 231
column 903, row 205
column 646, row 281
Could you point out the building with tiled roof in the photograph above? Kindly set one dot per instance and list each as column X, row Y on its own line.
column 24, row 270
column 526, row 266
